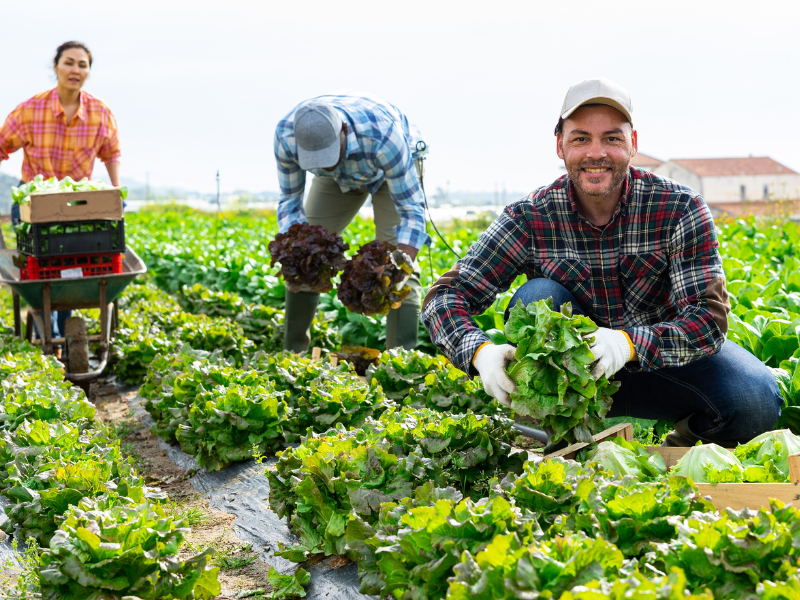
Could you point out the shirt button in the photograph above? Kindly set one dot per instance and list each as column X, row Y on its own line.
column 609, row 278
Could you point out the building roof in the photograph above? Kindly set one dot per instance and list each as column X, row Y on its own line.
column 643, row 161
column 726, row 167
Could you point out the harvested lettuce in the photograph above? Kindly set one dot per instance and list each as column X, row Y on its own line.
column 310, row 257
column 709, row 463
column 552, row 371
column 622, row 457
column 22, row 194
column 770, row 450
column 374, row 281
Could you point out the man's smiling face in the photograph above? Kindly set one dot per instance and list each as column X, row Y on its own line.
column 597, row 144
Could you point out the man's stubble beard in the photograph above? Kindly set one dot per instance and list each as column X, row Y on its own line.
column 619, row 173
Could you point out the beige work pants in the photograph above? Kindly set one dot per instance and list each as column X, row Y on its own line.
column 329, row 206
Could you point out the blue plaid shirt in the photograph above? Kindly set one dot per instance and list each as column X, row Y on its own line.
column 381, row 146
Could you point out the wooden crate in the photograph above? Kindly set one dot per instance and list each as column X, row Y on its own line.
column 741, row 495
column 723, row 495
column 51, row 207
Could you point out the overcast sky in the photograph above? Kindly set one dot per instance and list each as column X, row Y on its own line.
column 198, row 86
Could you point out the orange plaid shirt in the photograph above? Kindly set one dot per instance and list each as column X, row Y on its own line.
column 55, row 148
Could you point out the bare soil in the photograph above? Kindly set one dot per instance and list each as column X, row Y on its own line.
column 526, row 443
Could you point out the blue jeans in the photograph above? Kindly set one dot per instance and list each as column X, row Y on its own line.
column 729, row 397
column 57, row 318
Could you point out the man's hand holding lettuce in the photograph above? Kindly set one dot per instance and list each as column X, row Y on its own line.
column 551, row 369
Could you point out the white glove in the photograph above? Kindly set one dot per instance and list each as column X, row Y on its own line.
column 491, row 361
column 404, row 282
column 612, row 349
column 406, row 258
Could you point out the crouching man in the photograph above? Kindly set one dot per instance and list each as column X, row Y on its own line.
column 635, row 252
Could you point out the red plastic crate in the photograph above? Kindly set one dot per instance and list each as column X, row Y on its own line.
column 52, row 267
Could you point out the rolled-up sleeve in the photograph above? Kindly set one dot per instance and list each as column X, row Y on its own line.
column 698, row 291
column 394, row 158
column 110, row 149
column 488, row 269
column 291, row 179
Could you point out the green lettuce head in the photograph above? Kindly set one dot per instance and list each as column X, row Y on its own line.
column 552, row 371
column 772, row 446
column 622, row 457
column 709, row 463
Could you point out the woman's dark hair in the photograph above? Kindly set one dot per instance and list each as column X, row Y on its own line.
column 69, row 46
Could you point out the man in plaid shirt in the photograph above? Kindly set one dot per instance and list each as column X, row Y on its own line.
column 355, row 146
column 638, row 254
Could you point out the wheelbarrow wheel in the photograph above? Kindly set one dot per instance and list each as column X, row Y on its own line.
column 77, row 345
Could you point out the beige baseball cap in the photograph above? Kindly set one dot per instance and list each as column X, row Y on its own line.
column 597, row 91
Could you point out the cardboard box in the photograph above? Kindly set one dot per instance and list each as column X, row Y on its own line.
column 72, row 206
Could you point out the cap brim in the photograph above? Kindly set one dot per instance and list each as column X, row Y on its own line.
column 600, row 100
column 319, row 159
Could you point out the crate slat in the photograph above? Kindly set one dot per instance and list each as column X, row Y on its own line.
column 625, row 430
column 671, row 455
column 749, row 495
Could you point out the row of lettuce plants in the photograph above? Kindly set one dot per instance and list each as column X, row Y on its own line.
column 94, row 528
column 558, row 529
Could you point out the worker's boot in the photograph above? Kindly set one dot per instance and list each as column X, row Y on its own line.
column 301, row 307
column 402, row 325
column 681, row 436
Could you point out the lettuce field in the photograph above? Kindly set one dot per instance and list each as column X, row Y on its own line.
column 412, row 471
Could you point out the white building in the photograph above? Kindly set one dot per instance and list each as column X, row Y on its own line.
column 733, row 180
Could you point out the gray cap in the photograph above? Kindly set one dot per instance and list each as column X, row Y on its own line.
column 316, row 131
column 597, row 91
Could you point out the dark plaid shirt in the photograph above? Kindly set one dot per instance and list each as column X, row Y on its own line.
column 654, row 270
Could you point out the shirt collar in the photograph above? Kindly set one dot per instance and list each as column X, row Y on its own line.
column 622, row 207
column 352, row 138
column 625, row 195
column 58, row 109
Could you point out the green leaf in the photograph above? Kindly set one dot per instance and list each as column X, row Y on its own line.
column 287, row 586
column 780, row 348
column 208, row 585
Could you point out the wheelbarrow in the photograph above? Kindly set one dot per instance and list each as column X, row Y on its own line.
column 46, row 295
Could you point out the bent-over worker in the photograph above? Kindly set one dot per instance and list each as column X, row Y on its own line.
column 355, row 146
column 635, row 252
